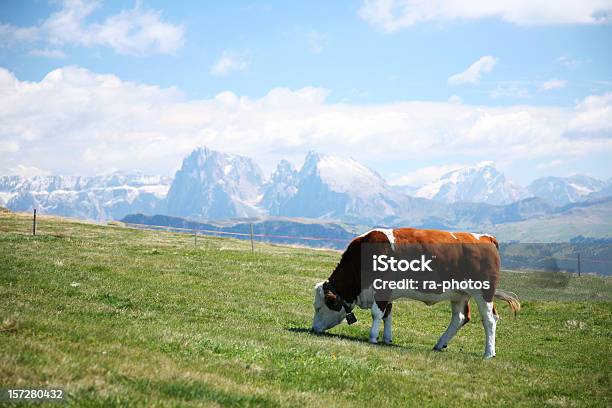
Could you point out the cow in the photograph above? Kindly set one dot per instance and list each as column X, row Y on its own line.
column 459, row 257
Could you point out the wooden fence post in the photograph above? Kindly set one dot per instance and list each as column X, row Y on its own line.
column 252, row 245
column 579, row 266
column 34, row 223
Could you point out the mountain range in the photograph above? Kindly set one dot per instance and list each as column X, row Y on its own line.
column 480, row 183
column 562, row 191
column 215, row 185
column 212, row 185
column 98, row 197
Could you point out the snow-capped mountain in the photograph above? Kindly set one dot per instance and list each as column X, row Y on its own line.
column 280, row 188
column 214, row 185
column 97, row 197
column 565, row 190
column 606, row 191
column 333, row 187
column 481, row 183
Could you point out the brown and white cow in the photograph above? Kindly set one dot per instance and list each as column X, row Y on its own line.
column 467, row 256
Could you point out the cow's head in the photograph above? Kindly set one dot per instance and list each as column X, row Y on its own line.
column 329, row 311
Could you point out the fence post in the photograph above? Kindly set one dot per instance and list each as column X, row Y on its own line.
column 579, row 264
column 252, row 245
column 34, row 223
column 195, row 237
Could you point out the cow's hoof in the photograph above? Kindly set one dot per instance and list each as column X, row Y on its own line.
column 488, row 356
column 439, row 348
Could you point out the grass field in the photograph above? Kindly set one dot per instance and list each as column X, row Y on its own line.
column 123, row 317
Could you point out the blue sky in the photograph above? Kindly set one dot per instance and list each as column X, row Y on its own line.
column 436, row 86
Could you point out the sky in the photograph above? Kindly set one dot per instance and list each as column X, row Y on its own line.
column 411, row 89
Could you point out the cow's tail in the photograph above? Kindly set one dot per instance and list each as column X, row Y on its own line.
column 509, row 297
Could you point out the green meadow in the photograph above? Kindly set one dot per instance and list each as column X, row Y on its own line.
column 126, row 317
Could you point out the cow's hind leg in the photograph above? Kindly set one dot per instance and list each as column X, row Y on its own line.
column 489, row 322
column 459, row 317
column 387, row 332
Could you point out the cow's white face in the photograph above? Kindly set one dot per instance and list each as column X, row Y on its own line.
column 328, row 311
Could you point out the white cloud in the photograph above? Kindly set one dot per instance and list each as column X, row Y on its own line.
column 10, row 34
column 47, row 53
column 9, row 146
column 316, row 40
column 568, row 62
column 28, row 171
column 455, row 99
column 135, row 31
column 424, row 175
column 474, row 72
column 553, row 84
column 593, row 118
column 231, row 61
column 550, row 164
column 512, row 89
column 392, row 15
column 98, row 121
column 507, row 128
column 356, row 94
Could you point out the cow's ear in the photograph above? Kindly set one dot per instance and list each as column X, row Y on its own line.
column 331, row 301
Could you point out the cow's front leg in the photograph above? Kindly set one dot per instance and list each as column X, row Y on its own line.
column 377, row 316
column 387, row 333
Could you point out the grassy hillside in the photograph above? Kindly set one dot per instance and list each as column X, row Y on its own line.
column 593, row 221
column 118, row 316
